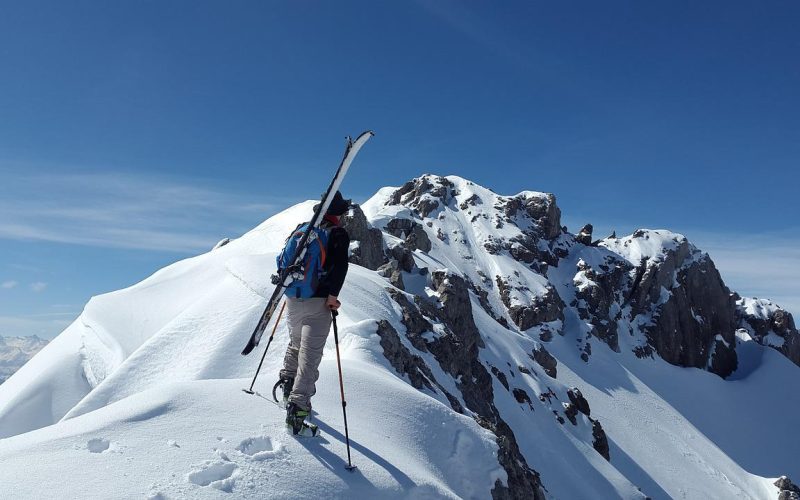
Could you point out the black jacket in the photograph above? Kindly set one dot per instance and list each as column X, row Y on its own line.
column 336, row 263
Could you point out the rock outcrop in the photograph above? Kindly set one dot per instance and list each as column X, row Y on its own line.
column 369, row 251
column 693, row 312
column 769, row 325
column 456, row 349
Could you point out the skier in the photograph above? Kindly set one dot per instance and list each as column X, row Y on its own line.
column 309, row 319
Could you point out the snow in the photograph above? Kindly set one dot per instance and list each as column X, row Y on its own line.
column 150, row 444
column 141, row 396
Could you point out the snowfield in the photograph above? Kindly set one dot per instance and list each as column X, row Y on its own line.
column 141, row 396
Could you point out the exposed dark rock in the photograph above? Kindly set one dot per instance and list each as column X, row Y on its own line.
column 643, row 351
column 424, row 194
column 457, row 351
column 522, row 397
column 500, row 376
column 470, row 202
column 723, row 358
column 600, row 442
column 571, row 412
column 788, row 490
column 585, row 235
column 418, row 239
column 414, row 322
column 543, row 309
column 400, row 227
column 599, row 294
column 401, row 358
column 369, row 252
column 396, row 279
column 524, row 369
column 221, row 243
column 577, row 399
column 587, row 352
column 542, row 209
column 548, row 396
column 546, row 361
column 698, row 309
column 492, row 245
column 403, row 256
column 778, row 322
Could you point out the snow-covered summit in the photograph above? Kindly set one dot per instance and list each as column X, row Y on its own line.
column 486, row 350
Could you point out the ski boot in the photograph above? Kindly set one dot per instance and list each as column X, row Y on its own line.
column 296, row 421
column 286, row 384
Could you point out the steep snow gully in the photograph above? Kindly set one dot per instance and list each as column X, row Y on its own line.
column 487, row 352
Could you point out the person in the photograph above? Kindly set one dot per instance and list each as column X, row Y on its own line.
column 309, row 321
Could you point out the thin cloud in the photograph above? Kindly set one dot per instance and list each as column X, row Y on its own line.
column 765, row 265
column 24, row 326
column 38, row 286
column 8, row 284
column 123, row 211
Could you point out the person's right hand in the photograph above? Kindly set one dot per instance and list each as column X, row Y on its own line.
column 333, row 303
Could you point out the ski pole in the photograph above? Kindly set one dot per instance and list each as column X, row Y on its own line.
column 250, row 391
column 349, row 465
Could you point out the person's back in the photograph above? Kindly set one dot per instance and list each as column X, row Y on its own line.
column 309, row 320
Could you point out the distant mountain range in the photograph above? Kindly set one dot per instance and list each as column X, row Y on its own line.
column 15, row 352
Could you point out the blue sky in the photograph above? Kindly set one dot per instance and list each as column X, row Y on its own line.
column 133, row 134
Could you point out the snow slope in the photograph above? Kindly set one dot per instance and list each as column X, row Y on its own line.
column 140, row 397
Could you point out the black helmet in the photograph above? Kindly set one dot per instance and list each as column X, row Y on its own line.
column 338, row 205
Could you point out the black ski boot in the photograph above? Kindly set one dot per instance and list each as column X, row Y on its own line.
column 296, row 421
column 285, row 384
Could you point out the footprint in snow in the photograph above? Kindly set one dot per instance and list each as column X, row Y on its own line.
column 260, row 448
column 98, row 445
column 219, row 475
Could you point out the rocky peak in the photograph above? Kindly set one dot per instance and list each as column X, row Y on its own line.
column 425, row 194
column 769, row 325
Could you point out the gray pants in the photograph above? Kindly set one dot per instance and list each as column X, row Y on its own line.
column 309, row 324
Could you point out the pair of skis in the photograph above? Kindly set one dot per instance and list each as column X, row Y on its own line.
column 284, row 278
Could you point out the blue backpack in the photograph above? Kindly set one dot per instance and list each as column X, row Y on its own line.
column 308, row 273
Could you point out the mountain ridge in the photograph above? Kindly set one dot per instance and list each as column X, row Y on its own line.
column 486, row 305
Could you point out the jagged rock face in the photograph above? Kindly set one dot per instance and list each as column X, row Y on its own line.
column 770, row 325
column 577, row 399
column 518, row 262
column 543, row 309
column 692, row 309
column 411, row 232
column 543, row 210
column 600, row 440
column 597, row 291
column 585, row 235
column 401, row 358
column 369, row 252
column 456, row 351
column 424, row 194
column 788, row 490
column 546, row 361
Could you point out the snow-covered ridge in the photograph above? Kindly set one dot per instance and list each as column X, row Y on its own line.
column 480, row 340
